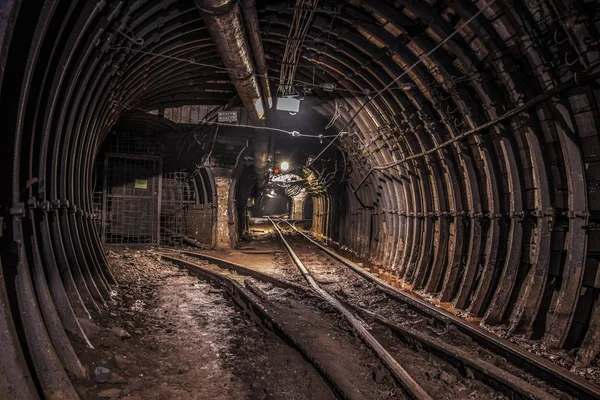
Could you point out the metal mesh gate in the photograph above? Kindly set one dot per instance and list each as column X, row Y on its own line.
column 142, row 196
column 178, row 196
column 181, row 216
column 200, row 223
column 132, row 201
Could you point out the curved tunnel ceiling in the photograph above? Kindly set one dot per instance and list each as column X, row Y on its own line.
column 476, row 171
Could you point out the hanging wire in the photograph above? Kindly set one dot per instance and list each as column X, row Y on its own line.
column 207, row 122
column 168, row 57
column 419, row 61
column 132, row 39
column 336, row 115
column 304, row 12
column 296, row 82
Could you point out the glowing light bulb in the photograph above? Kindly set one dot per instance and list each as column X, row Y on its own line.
column 285, row 166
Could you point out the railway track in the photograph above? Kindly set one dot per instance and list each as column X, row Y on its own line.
column 428, row 353
column 309, row 326
column 266, row 300
column 471, row 351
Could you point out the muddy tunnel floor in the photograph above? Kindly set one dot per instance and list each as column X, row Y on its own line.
column 170, row 335
column 260, row 249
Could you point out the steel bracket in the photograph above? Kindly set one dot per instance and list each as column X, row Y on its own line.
column 45, row 205
column 517, row 214
column 536, row 213
column 17, row 210
column 32, row 203
column 592, row 227
column 577, row 214
column 55, row 204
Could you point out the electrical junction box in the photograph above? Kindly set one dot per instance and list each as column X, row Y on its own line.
column 227, row 116
column 288, row 103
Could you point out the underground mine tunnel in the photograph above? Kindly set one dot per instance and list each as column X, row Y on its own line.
column 302, row 199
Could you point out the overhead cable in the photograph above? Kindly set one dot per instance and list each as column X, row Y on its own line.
column 574, row 82
column 419, row 61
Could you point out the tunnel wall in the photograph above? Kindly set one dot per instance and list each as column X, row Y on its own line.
column 479, row 191
column 64, row 86
column 297, row 205
column 323, row 216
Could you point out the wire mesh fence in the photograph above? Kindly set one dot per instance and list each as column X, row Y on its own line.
column 178, row 196
column 141, row 197
column 132, row 199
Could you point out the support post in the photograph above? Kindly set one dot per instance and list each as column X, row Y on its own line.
column 225, row 229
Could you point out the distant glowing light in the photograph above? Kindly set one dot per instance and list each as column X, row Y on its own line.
column 285, row 166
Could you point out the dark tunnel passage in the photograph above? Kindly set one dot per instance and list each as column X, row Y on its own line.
column 451, row 146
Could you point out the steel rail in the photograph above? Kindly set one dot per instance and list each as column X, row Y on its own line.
column 260, row 314
column 484, row 371
column 413, row 388
column 240, row 269
column 504, row 381
column 552, row 374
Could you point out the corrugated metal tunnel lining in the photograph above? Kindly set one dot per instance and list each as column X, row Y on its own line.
column 473, row 177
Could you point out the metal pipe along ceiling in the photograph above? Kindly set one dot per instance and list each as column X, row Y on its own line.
column 223, row 19
column 226, row 27
column 253, row 30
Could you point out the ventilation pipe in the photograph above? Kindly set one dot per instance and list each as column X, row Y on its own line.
column 223, row 19
column 253, row 29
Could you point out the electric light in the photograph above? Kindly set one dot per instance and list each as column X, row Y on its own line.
column 285, row 166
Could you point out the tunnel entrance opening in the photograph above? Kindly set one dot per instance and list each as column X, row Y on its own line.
column 278, row 207
column 271, row 202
